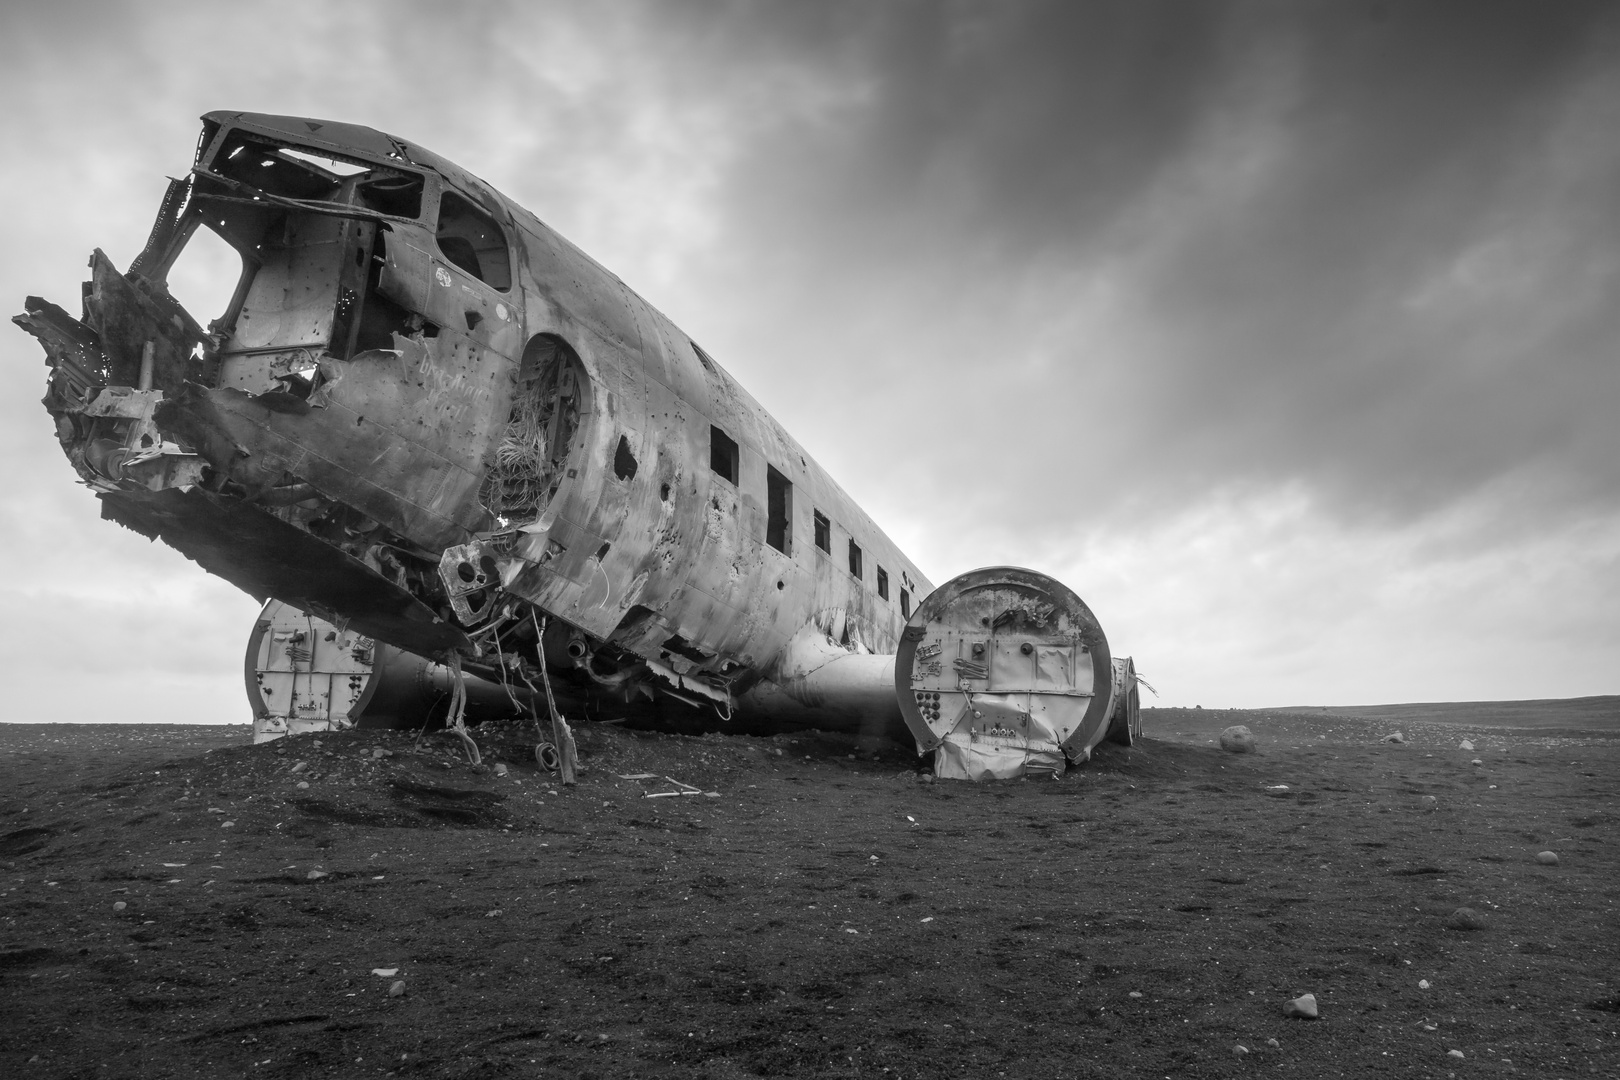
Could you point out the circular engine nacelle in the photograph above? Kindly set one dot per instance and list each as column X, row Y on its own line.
column 305, row 674
column 1004, row 671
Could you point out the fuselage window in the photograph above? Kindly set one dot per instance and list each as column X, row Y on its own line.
column 722, row 454
column 883, row 583
column 778, row 511
column 905, row 604
column 823, row 532
column 854, row 558
column 470, row 238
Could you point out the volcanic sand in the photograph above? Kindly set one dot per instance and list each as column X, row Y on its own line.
column 828, row 911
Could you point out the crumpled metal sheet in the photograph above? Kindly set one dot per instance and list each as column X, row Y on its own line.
column 1003, row 736
column 960, row 758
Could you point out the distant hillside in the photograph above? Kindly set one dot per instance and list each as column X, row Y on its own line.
column 1582, row 712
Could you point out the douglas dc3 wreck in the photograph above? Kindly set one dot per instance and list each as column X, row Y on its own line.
column 446, row 433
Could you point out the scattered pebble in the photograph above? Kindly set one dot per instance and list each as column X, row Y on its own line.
column 227, row 824
column 1135, row 993
column 119, row 905
column 1395, row 738
column 1454, row 1053
column 500, row 770
column 316, row 875
column 1238, row 739
column 1466, row 918
column 385, row 972
column 303, row 785
column 1274, row 1044
column 1240, row 1049
column 300, row 767
column 1464, row 745
column 1547, row 858
column 1423, row 984
column 1303, row 1006
column 398, row 989
column 1476, row 761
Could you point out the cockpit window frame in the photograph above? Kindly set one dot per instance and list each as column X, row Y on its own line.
column 444, row 190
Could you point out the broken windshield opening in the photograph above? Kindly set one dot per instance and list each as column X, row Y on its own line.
column 328, row 164
column 204, row 275
column 296, row 173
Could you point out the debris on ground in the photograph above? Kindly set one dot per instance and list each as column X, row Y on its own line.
column 1303, row 1007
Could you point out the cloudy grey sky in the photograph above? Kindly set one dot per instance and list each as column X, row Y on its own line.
column 1287, row 334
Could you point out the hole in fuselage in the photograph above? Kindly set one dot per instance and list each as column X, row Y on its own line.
column 624, row 462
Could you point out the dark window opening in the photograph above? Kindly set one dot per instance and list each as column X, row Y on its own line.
column 624, row 462
column 470, row 238
column 702, row 356
column 723, row 457
column 905, row 604
column 778, row 511
column 854, row 558
column 823, row 532
column 883, row 582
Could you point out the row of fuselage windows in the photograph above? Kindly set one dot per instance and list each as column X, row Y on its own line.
column 725, row 460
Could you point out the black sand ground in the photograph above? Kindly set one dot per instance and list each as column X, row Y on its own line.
column 821, row 915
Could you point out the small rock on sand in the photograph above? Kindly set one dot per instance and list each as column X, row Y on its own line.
column 1454, row 1053
column 398, row 989
column 1476, row 761
column 119, row 906
column 1466, row 918
column 500, row 770
column 1397, row 737
column 1303, row 1006
column 1547, row 858
column 1465, row 745
column 1238, row 739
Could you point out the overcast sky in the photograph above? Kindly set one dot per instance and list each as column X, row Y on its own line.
column 1287, row 335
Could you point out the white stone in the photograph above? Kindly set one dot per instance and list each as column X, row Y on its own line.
column 1302, row 1006
column 1395, row 738
column 398, row 989
column 1454, row 1053
column 1238, row 739
column 1465, row 745
column 1547, row 858
column 119, row 905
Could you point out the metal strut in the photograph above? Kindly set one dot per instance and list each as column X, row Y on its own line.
column 561, row 736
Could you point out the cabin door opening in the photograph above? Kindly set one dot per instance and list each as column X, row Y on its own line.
column 539, row 450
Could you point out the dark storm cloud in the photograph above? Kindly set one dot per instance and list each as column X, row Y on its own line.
column 1370, row 248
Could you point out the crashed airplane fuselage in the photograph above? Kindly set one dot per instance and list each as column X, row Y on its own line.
column 427, row 418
